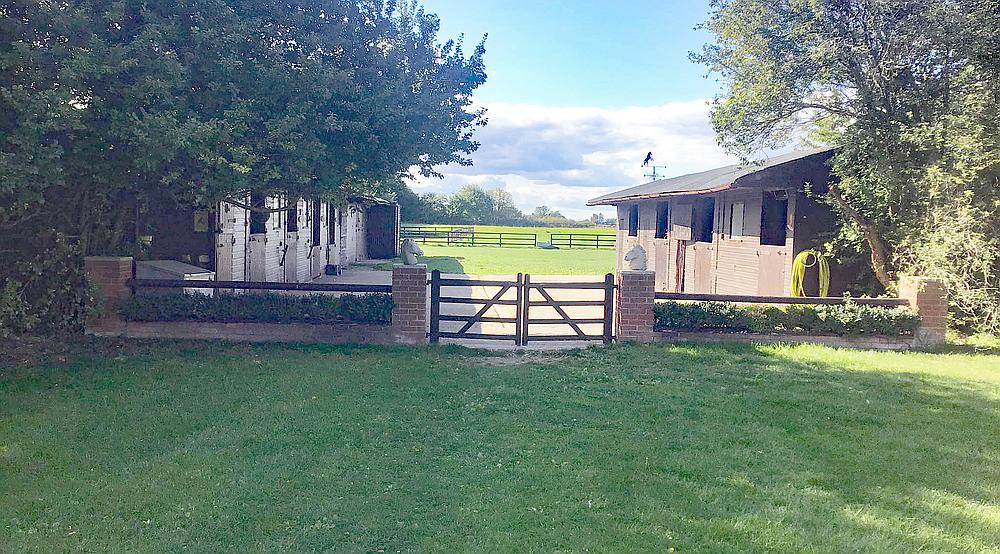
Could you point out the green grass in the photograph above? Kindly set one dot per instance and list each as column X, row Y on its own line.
column 492, row 260
column 193, row 446
column 542, row 232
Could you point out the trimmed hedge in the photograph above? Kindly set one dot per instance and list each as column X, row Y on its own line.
column 848, row 319
column 259, row 307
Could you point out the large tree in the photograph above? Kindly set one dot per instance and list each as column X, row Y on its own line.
column 108, row 103
column 907, row 88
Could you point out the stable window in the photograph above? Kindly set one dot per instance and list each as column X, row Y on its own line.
column 258, row 219
column 317, row 221
column 662, row 219
column 736, row 213
column 774, row 218
column 704, row 220
column 633, row 220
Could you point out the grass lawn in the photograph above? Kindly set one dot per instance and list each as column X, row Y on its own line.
column 542, row 232
column 492, row 260
column 186, row 445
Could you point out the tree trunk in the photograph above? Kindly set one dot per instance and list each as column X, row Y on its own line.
column 880, row 248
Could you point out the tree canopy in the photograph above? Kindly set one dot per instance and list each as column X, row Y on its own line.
column 109, row 103
column 909, row 90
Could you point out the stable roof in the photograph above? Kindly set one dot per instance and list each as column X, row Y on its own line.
column 713, row 180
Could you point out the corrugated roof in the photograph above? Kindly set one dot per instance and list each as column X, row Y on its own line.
column 713, row 180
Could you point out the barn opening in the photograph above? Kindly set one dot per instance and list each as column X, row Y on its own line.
column 317, row 211
column 704, row 220
column 633, row 220
column 258, row 219
column 662, row 219
column 774, row 218
column 292, row 219
column 331, row 227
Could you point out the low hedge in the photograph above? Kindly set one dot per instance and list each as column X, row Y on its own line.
column 848, row 319
column 259, row 307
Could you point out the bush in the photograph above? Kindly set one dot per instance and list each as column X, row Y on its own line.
column 265, row 307
column 845, row 319
column 44, row 288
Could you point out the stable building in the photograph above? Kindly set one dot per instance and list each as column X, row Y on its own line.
column 730, row 230
column 288, row 245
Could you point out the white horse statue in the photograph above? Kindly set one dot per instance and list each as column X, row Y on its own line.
column 410, row 251
column 635, row 259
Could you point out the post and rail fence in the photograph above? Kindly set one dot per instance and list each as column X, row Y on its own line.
column 469, row 236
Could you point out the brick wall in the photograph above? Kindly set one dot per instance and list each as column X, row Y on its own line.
column 929, row 297
column 409, row 299
column 634, row 313
column 110, row 274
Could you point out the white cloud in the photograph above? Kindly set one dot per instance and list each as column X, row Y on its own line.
column 562, row 157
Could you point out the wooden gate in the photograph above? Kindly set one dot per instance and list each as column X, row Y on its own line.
column 541, row 296
column 521, row 311
column 501, row 324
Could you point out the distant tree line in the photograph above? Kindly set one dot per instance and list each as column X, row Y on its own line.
column 474, row 205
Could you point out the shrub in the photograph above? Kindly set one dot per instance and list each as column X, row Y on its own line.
column 44, row 289
column 264, row 307
column 845, row 319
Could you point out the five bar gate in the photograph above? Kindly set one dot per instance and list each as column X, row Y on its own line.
column 519, row 306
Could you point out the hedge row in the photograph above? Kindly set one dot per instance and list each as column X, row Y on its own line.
column 841, row 319
column 259, row 307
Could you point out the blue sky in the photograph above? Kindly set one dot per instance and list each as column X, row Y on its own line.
column 578, row 92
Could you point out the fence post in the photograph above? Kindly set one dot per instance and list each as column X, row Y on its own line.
column 609, row 307
column 635, row 306
column 435, row 327
column 409, row 303
column 929, row 297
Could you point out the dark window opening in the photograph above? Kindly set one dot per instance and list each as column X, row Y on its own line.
column 774, row 218
column 331, row 228
column 704, row 220
column 317, row 210
column 258, row 220
column 662, row 219
column 292, row 221
column 633, row 220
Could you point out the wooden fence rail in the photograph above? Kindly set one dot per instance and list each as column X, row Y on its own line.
column 254, row 285
column 471, row 238
column 583, row 240
column 749, row 299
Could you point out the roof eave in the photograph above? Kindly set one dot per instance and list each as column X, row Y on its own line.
column 637, row 197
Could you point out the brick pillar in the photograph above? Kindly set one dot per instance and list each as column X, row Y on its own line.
column 634, row 314
column 929, row 297
column 110, row 274
column 409, row 303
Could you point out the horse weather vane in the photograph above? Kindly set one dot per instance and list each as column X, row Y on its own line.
column 651, row 173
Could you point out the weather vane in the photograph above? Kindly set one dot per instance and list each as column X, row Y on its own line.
column 652, row 171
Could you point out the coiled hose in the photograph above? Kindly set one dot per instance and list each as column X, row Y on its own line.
column 799, row 266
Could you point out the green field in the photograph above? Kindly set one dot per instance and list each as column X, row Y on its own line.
column 171, row 446
column 542, row 232
column 493, row 260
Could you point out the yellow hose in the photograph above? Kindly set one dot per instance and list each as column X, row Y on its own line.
column 799, row 266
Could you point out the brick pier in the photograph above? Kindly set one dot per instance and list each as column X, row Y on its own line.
column 409, row 299
column 634, row 308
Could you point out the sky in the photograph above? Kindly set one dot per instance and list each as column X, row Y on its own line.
column 578, row 91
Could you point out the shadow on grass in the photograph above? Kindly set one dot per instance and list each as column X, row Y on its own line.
column 694, row 446
column 793, row 454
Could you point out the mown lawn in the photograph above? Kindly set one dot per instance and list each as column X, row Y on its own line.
column 543, row 233
column 186, row 445
column 492, row 260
